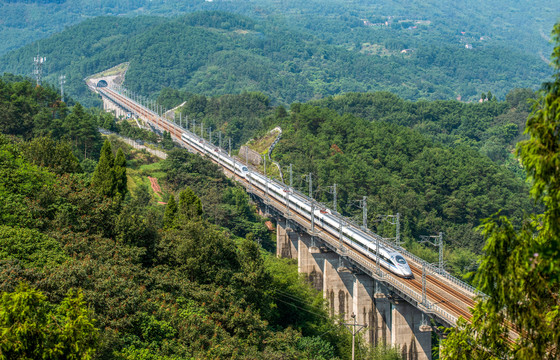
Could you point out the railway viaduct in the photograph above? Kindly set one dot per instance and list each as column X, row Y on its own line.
column 395, row 311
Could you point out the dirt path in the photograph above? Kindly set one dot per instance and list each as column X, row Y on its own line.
column 155, row 185
column 156, row 188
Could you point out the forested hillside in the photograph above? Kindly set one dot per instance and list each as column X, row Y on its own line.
column 434, row 187
column 493, row 127
column 524, row 24
column 216, row 53
column 105, row 271
column 443, row 165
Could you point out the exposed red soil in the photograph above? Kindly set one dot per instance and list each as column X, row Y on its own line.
column 155, row 185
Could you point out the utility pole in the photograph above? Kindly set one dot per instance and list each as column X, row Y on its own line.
column 340, row 238
column 424, row 299
column 354, row 332
column 312, row 219
column 364, row 216
column 62, row 80
column 363, row 205
column 310, row 181
column 398, row 230
column 229, row 152
column 291, row 182
column 287, row 193
column 334, row 197
column 436, row 240
column 377, row 257
column 266, row 177
column 332, row 190
column 395, row 220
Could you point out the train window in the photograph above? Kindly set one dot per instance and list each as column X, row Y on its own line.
column 390, row 262
column 400, row 259
column 244, row 168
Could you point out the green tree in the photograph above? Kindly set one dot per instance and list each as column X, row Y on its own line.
column 120, row 174
column 33, row 328
column 189, row 204
column 520, row 271
column 30, row 247
column 103, row 179
column 56, row 155
column 170, row 211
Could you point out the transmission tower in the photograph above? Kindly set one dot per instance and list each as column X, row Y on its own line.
column 38, row 69
column 62, row 80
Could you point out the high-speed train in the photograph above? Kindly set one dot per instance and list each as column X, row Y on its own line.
column 353, row 236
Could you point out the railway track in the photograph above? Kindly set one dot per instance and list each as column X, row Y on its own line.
column 440, row 292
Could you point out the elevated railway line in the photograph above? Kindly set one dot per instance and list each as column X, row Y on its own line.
column 437, row 294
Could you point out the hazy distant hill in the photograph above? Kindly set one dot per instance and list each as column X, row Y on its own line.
column 523, row 24
column 217, row 53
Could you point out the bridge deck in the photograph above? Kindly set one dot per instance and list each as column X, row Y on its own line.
column 446, row 298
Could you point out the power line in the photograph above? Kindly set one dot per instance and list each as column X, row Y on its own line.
column 299, row 307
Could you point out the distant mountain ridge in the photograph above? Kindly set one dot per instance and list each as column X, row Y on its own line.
column 215, row 53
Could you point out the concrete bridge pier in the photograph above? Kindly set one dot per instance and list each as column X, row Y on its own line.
column 406, row 332
column 311, row 260
column 286, row 241
column 338, row 286
column 363, row 305
column 109, row 105
column 380, row 332
column 390, row 320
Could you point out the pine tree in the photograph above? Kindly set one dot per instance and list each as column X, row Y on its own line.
column 170, row 212
column 73, row 122
column 120, row 174
column 103, row 179
column 189, row 203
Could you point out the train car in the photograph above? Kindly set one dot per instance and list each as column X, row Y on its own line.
column 358, row 239
column 216, row 153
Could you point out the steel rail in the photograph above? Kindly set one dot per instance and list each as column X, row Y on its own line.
column 448, row 297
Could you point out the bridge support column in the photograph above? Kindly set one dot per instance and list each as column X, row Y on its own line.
column 310, row 261
column 406, row 321
column 286, row 241
column 338, row 286
column 363, row 304
column 380, row 332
